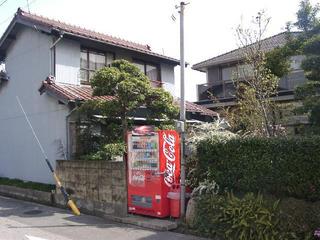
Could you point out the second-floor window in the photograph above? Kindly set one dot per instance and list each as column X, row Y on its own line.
column 150, row 70
column 91, row 61
column 228, row 73
column 235, row 72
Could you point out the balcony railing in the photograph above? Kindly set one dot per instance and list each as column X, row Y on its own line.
column 225, row 90
column 221, row 91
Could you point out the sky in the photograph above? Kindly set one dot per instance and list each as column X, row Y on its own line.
column 209, row 24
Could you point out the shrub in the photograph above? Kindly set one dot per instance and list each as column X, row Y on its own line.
column 27, row 184
column 107, row 152
column 216, row 132
column 206, row 188
column 93, row 135
column 279, row 166
column 230, row 217
column 300, row 216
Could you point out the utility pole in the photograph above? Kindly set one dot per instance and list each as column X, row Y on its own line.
column 28, row 6
column 182, row 114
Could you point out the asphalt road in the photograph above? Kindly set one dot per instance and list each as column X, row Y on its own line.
column 20, row 220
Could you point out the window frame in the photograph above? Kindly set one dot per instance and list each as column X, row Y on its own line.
column 145, row 63
column 87, row 69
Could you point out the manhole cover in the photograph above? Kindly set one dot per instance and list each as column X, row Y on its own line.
column 33, row 212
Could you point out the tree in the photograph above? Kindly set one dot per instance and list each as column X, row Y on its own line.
column 129, row 89
column 308, row 44
column 307, row 18
column 255, row 83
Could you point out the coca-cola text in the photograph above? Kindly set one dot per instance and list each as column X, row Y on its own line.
column 169, row 153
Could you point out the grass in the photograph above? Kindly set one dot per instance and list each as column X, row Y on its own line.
column 28, row 185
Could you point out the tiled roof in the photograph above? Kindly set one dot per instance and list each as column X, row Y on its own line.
column 70, row 92
column 235, row 55
column 82, row 32
column 192, row 107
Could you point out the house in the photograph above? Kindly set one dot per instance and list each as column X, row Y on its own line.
column 221, row 69
column 58, row 59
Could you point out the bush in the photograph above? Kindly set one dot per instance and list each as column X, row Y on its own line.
column 279, row 166
column 230, row 217
column 197, row 133
column 300, row 216
column 26, row 184
column 107, row 152
column 93, row 135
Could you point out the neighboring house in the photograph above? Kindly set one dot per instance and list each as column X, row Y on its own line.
column 220, row 72
column 58, row 59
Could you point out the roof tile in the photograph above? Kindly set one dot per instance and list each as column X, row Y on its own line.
column 70, row 92
column 267, row 44
column 82, row 32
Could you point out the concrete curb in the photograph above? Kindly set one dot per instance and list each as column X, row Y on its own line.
column 141, row 221
column 27, row 194
column 51, row 200
column 146, row 222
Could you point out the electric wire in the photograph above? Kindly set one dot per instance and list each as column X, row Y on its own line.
column 12, row 15
column 3, row 2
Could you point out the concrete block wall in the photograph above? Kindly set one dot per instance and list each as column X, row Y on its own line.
column 98, row 187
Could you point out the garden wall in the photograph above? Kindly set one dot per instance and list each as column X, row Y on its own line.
column 98, row 187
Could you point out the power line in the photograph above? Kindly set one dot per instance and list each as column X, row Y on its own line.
column 3, row 2
column 12, row 15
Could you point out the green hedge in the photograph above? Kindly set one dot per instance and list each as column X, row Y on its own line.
column 278, row 166
column 26, row 184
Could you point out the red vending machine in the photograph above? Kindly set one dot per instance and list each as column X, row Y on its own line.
column 153, row 167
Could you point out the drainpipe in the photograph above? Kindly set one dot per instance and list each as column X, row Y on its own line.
column 52, row 54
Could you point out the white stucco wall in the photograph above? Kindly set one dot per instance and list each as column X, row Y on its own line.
column 27, row 64
column 68, row 61
column 167, row 77
column 68, row 65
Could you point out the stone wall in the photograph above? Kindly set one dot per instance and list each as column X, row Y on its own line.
column 97, row 187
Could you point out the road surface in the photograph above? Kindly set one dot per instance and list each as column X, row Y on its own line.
column 20, row 220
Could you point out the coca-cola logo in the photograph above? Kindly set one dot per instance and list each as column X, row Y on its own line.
column 169, row 153
column 137, row 178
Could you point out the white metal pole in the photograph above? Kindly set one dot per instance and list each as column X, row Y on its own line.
column 182, row 113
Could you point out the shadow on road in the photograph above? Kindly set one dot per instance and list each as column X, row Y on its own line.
column 26, row 215
column 13, row 207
